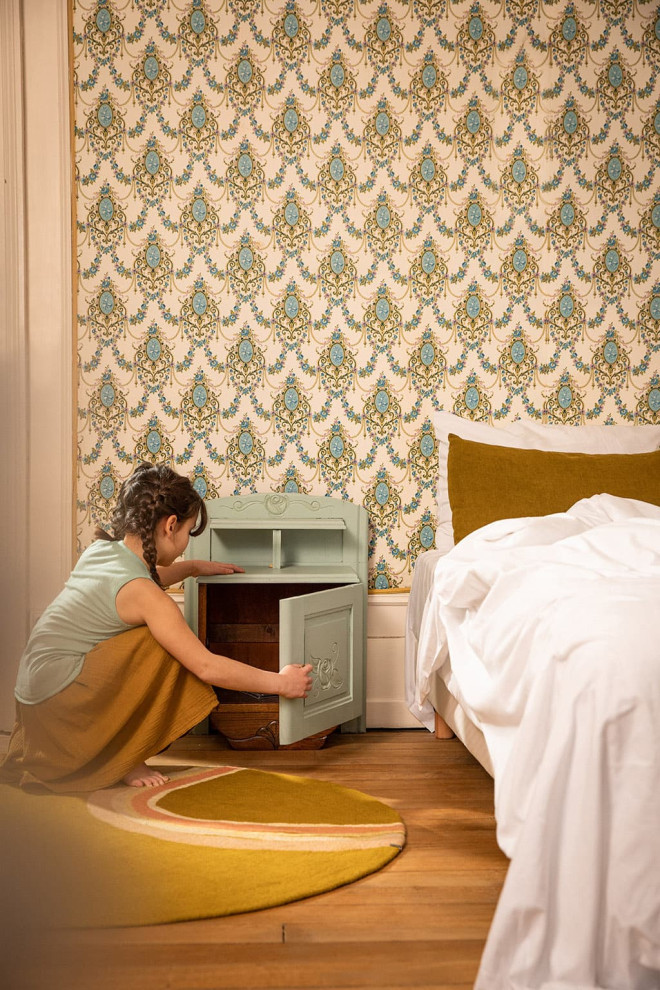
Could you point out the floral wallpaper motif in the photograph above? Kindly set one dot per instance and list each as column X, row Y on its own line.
column 302, row 227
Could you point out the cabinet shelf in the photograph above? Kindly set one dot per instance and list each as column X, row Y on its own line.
column 266, row 574
column 270, row 524
column 279, row 542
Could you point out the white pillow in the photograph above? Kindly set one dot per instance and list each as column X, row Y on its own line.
column 530, row 435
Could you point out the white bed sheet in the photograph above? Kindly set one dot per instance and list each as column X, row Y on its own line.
column 422, row 583
column 553, row 628
column 438, row 700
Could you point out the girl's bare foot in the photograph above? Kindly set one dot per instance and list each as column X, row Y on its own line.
column 144, row 776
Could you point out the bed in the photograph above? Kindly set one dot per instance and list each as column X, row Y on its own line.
column 535, row 638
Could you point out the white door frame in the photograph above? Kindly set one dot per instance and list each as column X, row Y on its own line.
column 36, row 405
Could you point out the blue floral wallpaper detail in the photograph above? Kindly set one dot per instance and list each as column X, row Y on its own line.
column 304, row 227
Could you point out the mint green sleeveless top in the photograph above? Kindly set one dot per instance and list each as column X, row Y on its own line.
column 83, row 615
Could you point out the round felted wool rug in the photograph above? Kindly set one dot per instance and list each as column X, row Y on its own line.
column 209, row 842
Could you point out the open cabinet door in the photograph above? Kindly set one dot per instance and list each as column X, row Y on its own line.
column 325, row 629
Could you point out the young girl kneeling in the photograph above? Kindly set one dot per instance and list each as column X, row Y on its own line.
column 112, row 674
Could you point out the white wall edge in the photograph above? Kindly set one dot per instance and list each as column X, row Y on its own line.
column 14, row 610
column 49, row 298
column 37, row 315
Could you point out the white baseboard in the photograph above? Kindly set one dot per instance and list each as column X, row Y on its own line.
column 390, row 713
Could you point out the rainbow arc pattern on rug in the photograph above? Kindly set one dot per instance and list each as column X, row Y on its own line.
column 195, row 816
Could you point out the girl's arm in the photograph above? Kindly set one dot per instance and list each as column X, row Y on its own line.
column 141, row 602
column 181, row 569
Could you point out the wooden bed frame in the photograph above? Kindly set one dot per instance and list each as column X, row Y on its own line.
column 442, row 730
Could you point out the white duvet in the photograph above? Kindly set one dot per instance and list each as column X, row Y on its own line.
column 552, row 625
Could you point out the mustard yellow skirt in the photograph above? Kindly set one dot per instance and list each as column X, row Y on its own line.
column 130, row 700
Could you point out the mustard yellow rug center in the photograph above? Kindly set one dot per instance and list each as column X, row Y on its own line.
column 210, row 842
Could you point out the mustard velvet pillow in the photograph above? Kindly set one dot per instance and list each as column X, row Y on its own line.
column 486, row 482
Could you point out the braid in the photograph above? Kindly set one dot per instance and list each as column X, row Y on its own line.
column 151, row 493
column 149, row 551
column 141, row 519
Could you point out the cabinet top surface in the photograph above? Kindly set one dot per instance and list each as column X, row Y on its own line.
column 279, row 506
column 277, row 523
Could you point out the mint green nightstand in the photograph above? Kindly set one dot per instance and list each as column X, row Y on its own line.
column 302, row 599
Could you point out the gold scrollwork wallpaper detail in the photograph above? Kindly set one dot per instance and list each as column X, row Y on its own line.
column 302, row 227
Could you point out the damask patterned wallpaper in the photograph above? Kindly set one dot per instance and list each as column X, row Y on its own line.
column 302, row 227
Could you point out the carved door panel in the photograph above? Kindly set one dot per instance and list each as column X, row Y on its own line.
column 325, row 629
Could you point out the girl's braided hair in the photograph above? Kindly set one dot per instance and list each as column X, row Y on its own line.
column 151, row 493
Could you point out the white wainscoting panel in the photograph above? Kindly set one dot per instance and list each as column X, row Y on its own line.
column 386, row 698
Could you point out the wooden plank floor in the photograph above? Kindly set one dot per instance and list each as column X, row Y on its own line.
column 420, row 922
